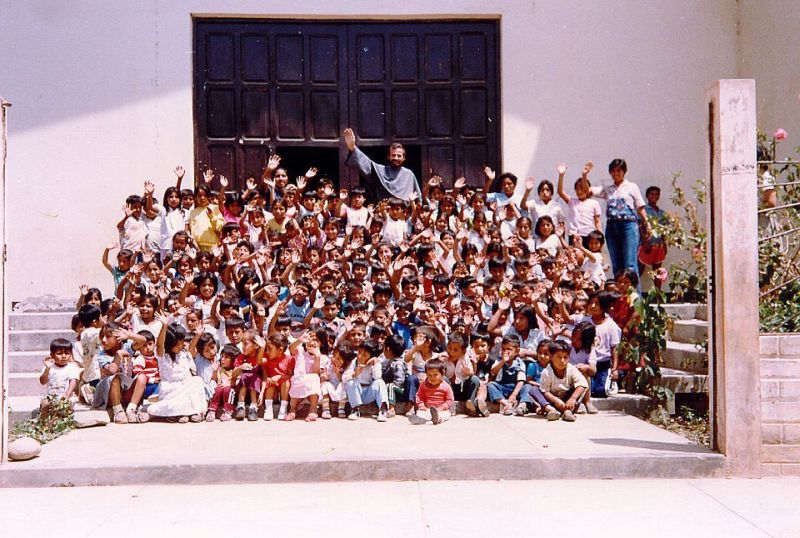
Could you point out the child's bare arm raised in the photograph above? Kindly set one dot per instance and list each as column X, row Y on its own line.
column 562, row 169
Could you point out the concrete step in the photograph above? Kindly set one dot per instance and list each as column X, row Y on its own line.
column 40, row 320
column 681, row 381
column 689, row 331
column 35, row 339
column 25, row 384
column 22, row 408
column 687, row 310
column 607, row 445
column 20, row 362
column 682, row 356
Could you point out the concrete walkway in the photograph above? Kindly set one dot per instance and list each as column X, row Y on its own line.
column 609, row 445
column 551, row 509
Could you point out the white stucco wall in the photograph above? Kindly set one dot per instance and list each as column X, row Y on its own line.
column 103, row 100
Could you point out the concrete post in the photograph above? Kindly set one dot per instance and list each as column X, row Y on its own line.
column 3, row 311
column 733, row 287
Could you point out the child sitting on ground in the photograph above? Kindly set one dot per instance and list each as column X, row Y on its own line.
column 509, row 376
column 562, row 384
column 434, row 397
column 364, row 383
column 278, row 370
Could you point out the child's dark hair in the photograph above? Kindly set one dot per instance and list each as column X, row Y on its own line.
column 347, row 353
column 88, row 314
column 204, row 341
column 618, row 163
column 176, row 334
column 395, row 344
column 540, row 220
column 147, row 335
column 588, row 333
column 75, row 323
column 326, row 336
column 202, row 277
column 231, row 350
column 373, row 347
column 652, row 188
column 543, row 184
column 435, row 364
column 279, row 340
column 133, row 199
column 597, row 235
column 558, row 345
column 512, row 339
column 485, row 337
column 457, row 338
column 630, row 274
column 60, row 344
column 234, row 322
column 605, row 300
column 91, row 293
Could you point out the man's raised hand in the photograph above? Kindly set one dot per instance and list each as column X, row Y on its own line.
column 350, row 139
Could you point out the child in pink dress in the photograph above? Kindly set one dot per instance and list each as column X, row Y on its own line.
column 305, row 381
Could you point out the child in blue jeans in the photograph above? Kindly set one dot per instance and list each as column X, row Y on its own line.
column 532, row 392
column 509, row 375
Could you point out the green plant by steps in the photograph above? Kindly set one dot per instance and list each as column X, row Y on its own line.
column 642, row 350
column 686, row 232
column 55, row 418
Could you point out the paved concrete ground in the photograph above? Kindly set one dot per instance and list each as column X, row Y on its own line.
column 608, row 445
column 551, row 509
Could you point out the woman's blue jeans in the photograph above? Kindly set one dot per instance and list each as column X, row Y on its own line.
column 622, row 239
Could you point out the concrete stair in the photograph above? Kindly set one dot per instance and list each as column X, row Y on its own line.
column 29, row 337
column 685, row 364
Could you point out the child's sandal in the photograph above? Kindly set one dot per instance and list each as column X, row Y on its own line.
column 326, row 414
column 289, row 417
column 312, row 417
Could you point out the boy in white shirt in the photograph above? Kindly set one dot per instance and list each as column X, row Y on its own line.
column 60, row 374
column 562, row 384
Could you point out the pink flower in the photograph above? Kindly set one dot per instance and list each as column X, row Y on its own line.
column 780, row 134
column 659, row 277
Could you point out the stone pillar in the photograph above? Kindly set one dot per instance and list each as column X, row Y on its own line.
column 733, row 288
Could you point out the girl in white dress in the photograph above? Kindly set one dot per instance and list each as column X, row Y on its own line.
column 305, row 380
column 181, row 393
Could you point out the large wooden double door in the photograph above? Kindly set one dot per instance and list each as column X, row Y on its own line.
column 291, row 87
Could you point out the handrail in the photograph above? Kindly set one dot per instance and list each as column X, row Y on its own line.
column 768, row 209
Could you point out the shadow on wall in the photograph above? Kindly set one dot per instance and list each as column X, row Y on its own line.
column 50, row 53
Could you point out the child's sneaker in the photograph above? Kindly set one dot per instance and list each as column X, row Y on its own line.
column 521, row 410
column 130, row 414
column 435, row 418
column 252, row 414
column 281, row 414
column 591, row 409
column 580, row 409
column 568, row 416
column 87, row 393
column 269, row 412
column 120, row 417
column 211, row 415
column 354, row 415
column 340, row 412
column 553, row 415
column 240, row 413
column 326, row 414
column 483, row 409
column 382, row 416
column 225, row 417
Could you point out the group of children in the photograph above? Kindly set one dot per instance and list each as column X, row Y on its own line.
column 229, row 303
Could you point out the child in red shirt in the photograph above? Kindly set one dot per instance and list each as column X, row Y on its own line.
column 247, row 374
column 434, row 397
column 278, row 370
